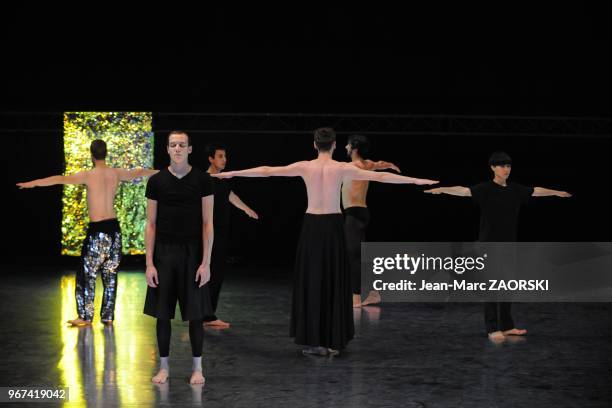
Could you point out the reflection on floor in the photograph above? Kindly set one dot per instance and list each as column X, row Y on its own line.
column 403, row 355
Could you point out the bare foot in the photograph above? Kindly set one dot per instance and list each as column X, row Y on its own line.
column 161, row 376
column 320, row 351
column 79, row 322
column 315, row 351
column 217, row 324
column 197, row 378
column 372, row 299
column 497, row 337
column 516, row 339
column 515, row 332
column 356, row 300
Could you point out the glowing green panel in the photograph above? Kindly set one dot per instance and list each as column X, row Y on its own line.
column 129, row 140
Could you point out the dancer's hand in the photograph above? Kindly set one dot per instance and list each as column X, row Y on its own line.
column 28, row 184
column 427, row 182
column 388, row 166
column 434, row 191
column 223, row 175
column 151, row 275
column 564, row 194
column 251, row 213
column 203, row 275
column 394, row 167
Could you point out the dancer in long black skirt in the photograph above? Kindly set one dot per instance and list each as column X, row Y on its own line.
column 322, row 313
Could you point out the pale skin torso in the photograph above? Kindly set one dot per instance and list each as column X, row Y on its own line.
column 323, row 178
column 101, row 184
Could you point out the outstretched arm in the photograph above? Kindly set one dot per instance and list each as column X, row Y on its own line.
column 456, row 191
column 354, row 173
column 128, row 175
column 238, row 203
column 292, row 170
column 76, row 178
column 545, row 192
column 381, row 165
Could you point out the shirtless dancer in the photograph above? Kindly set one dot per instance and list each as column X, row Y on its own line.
column 322, row 317
column 102, row 246
column 356, row 214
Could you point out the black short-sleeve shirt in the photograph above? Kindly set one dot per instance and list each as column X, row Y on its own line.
column 499, row 209
column 179, row 204
column 222, row 189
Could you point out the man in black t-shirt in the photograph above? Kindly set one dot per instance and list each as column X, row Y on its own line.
column 224, row 195
column 178, row 239
column 500, row 202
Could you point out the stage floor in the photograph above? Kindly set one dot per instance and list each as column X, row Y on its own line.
column 404, row 355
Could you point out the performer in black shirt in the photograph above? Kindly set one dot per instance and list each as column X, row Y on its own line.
column 224, row 195
column 499, row 201
column 178, row 239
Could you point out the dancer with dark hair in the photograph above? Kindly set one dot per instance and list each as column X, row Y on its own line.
column 500, row 202
column 322, row 316
column 356, row 213
column 179, row 238
column 101, row 250
column 224, row 196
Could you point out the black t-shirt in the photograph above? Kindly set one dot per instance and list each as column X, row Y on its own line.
column 499, row 209
column 222, row 189
column 179, row 204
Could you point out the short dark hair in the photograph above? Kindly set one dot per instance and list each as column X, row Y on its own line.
column 212, row 148
column 499, row 158
column 361, row 144
column 98, row 149
column 324, row 138
column 178, row 132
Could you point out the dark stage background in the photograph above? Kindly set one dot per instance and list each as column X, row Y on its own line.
column 529, row 69
column 399, row 212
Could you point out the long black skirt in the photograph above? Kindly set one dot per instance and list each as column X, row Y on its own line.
column 322, row 313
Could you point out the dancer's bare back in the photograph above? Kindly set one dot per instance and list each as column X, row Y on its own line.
column 354, row 192
column 101, row 183
column 101, row 186
column 323, row 177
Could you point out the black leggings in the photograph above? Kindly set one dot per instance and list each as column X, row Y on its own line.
column 164, row 331
column 218, row 265
column 498, row 316
column 356, row 219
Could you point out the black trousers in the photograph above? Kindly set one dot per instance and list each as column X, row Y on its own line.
column 218, row 267
column 356, row 219
column 177, row 264
column 498, row 316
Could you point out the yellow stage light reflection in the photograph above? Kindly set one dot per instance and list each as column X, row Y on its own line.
column 108, row 366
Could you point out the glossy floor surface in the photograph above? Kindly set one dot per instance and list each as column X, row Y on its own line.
column 404, row 355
